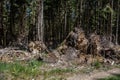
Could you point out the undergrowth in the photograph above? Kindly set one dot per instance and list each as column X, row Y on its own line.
column 18, row 69
column 115, row 77
column 31, row 70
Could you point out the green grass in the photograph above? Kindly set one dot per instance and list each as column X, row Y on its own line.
column 97, row 65
column 57, row 74
column 60, row 71
column 32, row 69
column 115, row 77
column 35, row 70
column 18, row 69
column 118, row 66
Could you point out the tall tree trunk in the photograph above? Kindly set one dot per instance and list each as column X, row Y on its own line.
column 22, row 19
column 21, row 37
column 40, row 26
column 81, row 10
column 11, row 28
column 65, row 16
column 111, row 22
column 117, row 24
column 1, row 23
column 79, row 13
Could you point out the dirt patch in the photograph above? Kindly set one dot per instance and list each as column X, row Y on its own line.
column 95, row 75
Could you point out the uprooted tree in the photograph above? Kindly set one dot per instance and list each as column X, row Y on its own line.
column 94, row 46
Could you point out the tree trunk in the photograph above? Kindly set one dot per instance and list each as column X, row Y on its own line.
column 111, row 22
column 117, row 25
column 40, row 26
column 22, row 19
column 1, row 23
column 12, row 26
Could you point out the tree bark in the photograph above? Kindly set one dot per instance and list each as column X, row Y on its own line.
column 40, row 26
column 1, row 23
column 111, row 22
column 117, row 25
column 11, row 28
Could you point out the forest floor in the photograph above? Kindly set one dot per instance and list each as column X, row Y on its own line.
column 35, row 70
column 97, row 75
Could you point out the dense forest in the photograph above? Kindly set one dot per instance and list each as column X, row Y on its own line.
column 50, row 21
column 64, row 27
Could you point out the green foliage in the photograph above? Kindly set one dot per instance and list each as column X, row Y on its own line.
column 60, row 71
column 17, row 69
column 32, row 69
column 57, row 73
column 116, row 77
column 96, row 64
column 108, row 9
